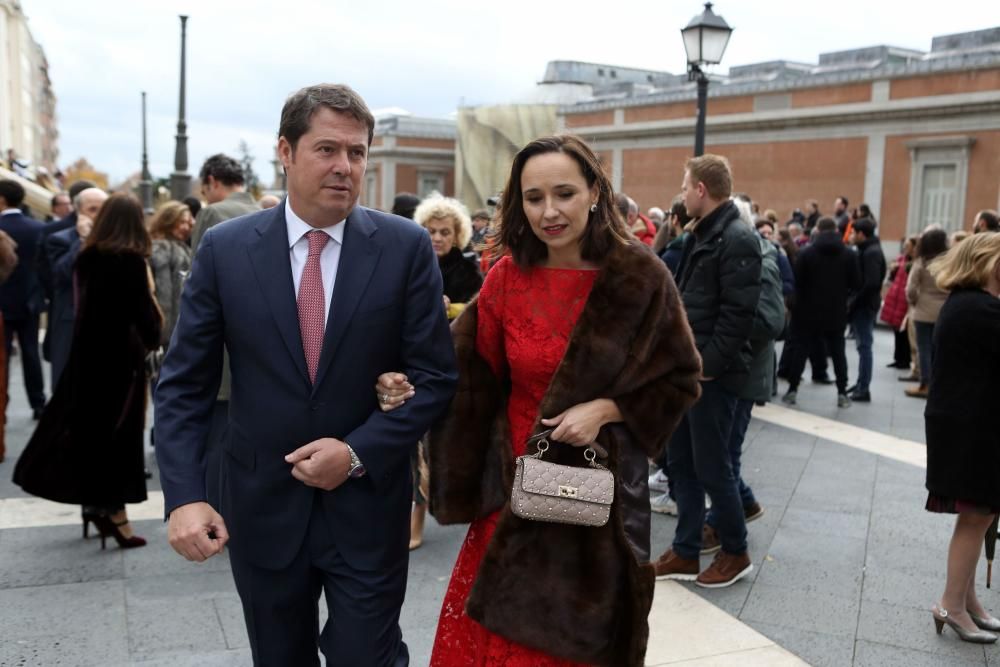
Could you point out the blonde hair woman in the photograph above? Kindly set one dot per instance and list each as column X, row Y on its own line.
column 447, row 221
column 170, row 261
column 963, row 438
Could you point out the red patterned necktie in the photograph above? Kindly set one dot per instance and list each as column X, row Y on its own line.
column 312, row 302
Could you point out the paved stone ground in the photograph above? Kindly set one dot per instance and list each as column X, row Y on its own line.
column 847, row 563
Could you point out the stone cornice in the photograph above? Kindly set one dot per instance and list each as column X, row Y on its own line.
column 963, row 63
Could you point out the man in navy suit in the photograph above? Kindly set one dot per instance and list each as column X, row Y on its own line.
column 313, row 299
column 61, row 249
column 21, row 298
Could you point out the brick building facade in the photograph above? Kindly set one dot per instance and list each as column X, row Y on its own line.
column 409, row 154
column 914, row 135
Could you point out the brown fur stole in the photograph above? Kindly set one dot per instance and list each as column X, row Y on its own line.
column 574, row 592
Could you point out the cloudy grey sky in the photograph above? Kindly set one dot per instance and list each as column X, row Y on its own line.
column 244, row 57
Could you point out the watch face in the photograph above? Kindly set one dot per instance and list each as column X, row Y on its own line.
column 357, row 471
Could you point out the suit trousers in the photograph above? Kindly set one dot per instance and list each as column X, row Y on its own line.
column 26, row 331
column 282, row 614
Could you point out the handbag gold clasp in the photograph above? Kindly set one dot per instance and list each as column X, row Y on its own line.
column 568, row 491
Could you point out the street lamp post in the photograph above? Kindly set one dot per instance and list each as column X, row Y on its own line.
column 705, row 40
column 146, row 184
column 180, row 180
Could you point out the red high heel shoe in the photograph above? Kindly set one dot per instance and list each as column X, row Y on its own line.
column 107, row 527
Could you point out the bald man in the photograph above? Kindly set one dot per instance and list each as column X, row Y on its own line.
column 268, row 201
column 62, row 248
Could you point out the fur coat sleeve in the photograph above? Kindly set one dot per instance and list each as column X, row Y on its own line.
column 632, row 344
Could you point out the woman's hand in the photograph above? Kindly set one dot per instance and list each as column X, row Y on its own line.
column 580, row 425
column 393, row 390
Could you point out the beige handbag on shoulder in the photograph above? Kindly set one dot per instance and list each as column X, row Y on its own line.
column 545, row 491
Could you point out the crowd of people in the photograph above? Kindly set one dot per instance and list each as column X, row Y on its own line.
column 324, row 375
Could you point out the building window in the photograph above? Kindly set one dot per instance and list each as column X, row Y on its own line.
column 614, row 74
column 428, row 182
column 600, row 71
column 939, row 171
column 939, row 197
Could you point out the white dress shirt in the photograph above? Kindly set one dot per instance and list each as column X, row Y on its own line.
column 298, row 252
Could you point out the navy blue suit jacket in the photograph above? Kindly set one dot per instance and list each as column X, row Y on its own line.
column 386, row 314
column 21, row 295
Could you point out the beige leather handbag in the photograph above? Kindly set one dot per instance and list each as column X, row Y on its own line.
column 545, row 491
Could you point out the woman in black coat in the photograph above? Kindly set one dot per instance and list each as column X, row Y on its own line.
column 963, row 441
column 87, row 448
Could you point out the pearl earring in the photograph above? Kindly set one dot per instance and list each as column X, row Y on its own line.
column 593, row 208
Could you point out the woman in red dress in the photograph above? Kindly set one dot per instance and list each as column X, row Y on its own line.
column 577, row 328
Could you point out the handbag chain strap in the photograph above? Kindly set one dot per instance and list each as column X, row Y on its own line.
column 541, row 441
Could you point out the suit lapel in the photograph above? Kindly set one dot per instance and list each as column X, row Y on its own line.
column 269, row 255
column 358, row 258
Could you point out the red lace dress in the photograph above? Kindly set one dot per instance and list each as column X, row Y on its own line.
column 525, row 321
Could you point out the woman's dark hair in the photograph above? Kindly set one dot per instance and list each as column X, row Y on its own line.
column 605, row 228
column 865, row 212
column 932, row 243
column 120, row 227
column 679, row 211
column 787, row 244
column 193, row 204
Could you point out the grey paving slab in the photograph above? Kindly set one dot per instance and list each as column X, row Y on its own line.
column 819, row 522
column 195, row 586
column 802, row 610
column 812, row 577
column 54, row 555
column 239, row 658
column 234, row 629
column 816, row 648
column 912, row 629
column 174, row 627
column 873, row 654
column 80, row 648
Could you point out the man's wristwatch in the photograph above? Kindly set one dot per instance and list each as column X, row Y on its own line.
column 357, row 467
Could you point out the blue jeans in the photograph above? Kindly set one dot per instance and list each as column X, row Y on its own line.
column 863, row 321
column 700, row 461
column 741, row 420
column 925, row 349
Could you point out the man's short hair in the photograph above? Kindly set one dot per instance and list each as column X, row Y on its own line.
column 53, row 203
column 223, row 169
column 866, row 226
column 302, row 104
column 79, row 186
column 481, row 214
column 826, row 224
column 714, row 172
column 845, row 200
column 991, row 221
column 12, row 192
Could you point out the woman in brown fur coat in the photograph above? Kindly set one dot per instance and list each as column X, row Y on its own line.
column 578, row 329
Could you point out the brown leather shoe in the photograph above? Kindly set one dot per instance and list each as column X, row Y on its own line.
column 672, row 566
column 725, row 570
column 709, row 540
column 918, row 392
column 753, row 512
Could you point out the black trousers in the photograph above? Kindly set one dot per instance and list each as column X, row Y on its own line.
column 26, row 331
column 804, row 342
column 282, row 613
column 901, row 349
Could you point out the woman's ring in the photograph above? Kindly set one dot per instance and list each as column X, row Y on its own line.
column 384, row 398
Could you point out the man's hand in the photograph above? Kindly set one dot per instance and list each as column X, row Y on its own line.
column 191, row 529
column 393, row 390
column 323, row 463
column 83, row 225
